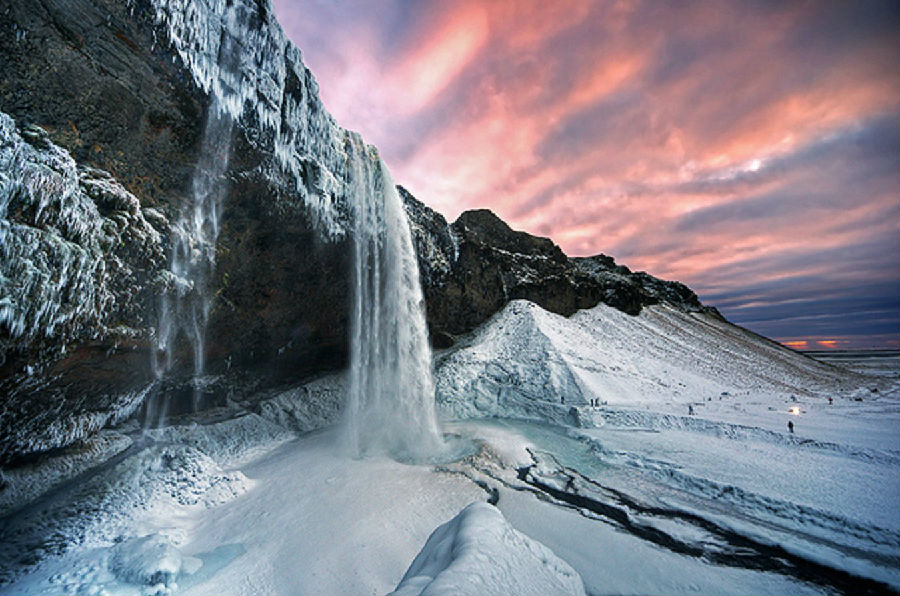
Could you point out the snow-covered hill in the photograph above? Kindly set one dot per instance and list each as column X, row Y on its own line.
column 529, row 363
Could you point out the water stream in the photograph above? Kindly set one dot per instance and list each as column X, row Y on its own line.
column 184, row 310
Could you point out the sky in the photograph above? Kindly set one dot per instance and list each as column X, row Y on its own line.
column 748, row 149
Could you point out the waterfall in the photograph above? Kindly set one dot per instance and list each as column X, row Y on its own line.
column 193, row 254
column 184, row 310
column 391, row 406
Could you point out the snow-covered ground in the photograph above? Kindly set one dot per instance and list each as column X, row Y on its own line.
column 634, row 496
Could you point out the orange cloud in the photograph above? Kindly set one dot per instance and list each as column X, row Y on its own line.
column 430, row 67
column 797, row 344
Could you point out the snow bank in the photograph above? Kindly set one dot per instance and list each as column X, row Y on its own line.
column 528, row 363
column 479, row 553
column 23, row 484
column 181, row 471
column 308, row 407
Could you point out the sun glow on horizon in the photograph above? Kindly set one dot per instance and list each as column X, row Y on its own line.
column 798, row 344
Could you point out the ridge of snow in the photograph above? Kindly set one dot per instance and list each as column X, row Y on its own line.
column 478, row 552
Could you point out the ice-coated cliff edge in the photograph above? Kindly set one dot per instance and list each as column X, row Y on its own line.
column 271, row 91
column 124, row 88
column 76, row 255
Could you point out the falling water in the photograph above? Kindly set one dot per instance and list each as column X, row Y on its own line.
column 391, row 407
column 193, row 255
column 184, row 311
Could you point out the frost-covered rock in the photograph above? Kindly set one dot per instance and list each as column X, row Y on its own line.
column 270, row 90
column 72, row 242
column 78, row 264
column 478, row 553
column 308, row 407
column 22, row 484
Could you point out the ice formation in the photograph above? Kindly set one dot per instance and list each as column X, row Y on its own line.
column 391, row 403
column 75, row 249
column 52, row 274
column 194, row 238
column 61, row 231
column 269, row 88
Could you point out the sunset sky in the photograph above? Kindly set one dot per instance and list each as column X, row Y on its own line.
column 748, row 149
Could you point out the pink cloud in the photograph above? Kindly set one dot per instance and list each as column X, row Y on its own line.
column 612, row 126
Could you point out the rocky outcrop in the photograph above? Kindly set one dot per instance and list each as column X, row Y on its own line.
column 473, row 267
column 80, row 262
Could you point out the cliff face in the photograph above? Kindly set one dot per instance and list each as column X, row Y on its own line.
column 104, row 104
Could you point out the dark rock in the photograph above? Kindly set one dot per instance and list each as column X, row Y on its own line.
column 473, row 267
column 98, row 80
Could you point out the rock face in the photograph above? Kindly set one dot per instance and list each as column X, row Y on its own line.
column 106, row 100
column 103, row 106
column 473, row 267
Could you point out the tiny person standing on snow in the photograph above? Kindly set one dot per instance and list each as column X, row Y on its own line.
column 791, row 425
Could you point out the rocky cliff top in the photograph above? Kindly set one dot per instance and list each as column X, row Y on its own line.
column 475, row 265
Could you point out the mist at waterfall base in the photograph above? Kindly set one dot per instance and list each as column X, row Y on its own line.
column 390, row 408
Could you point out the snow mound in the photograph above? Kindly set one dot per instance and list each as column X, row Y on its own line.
column 528, row 363
column 310, row 406
column 230, row 442
column 151, row 561
column 479, row 553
